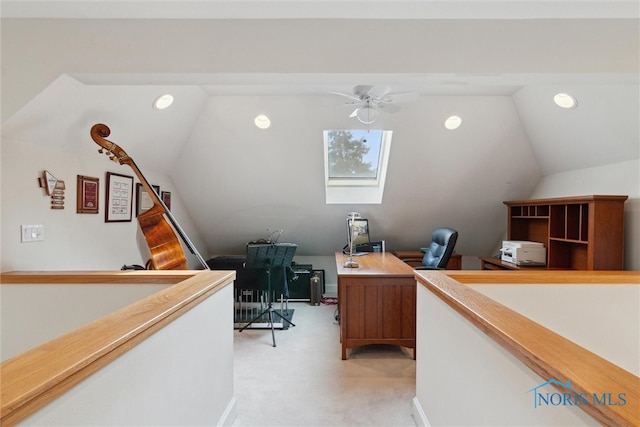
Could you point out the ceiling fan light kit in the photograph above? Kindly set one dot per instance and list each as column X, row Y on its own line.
column 367, row 114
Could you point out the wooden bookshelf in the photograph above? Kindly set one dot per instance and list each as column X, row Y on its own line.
column 580, row 233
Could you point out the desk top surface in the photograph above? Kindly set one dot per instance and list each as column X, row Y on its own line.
column 510, row 265
column 374, row 264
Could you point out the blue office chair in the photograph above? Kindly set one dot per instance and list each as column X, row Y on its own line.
column 436, row 256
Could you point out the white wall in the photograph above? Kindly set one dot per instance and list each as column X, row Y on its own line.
column 72, row 241
column 464, row 378
column 85, row 242
column 620, row 179
column 32, row 314
column 180, row 375
column 274, row 179
column 611, row 307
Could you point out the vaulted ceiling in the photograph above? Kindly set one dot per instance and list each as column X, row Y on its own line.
column 67, row 65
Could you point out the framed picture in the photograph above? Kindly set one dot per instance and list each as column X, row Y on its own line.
column 48, row 181
column 320, row 274
column 144, row 202
column 119, row 198
column 87, row 195
column 166, row 199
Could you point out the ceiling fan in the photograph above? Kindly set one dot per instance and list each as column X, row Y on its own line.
column 370, row 100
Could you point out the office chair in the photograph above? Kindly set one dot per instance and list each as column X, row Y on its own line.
column 436, row 256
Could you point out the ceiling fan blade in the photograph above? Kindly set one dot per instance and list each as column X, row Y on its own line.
column 403, row 97
column 347, row 95
column 379, row 91
column 361, row 90
column 354, row 102
column 355, row 113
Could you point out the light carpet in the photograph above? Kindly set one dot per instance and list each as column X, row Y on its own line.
column 304, row 382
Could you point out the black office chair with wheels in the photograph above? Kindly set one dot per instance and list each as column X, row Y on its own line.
column 436, row 256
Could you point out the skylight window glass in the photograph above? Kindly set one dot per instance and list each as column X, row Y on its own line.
column 355, row 165
column 353, row 154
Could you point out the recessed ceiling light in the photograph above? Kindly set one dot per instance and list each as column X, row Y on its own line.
column 163, row 101
column 453, row 122
column 564, row 100
column 262, row 121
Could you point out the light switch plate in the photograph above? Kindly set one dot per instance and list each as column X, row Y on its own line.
column 31, row 233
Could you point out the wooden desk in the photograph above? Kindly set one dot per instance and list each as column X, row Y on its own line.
column 492, row 263
column 455, row 262
column 377, row 302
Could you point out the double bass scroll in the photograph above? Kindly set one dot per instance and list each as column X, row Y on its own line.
column 165, row 250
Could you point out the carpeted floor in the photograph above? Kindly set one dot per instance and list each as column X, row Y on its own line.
column 304, row 382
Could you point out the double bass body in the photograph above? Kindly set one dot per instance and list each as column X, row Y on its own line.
column 164, row 247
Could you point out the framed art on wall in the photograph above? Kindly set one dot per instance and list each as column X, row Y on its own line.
column 144, row 202
column 119, row 198
column 166, row 199
column 87, row 195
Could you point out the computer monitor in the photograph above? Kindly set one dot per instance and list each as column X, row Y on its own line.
column 360, row 231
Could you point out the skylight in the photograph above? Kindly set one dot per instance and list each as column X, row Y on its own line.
column 356, row 165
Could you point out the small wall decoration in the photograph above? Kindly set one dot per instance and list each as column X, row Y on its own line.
column 166, row 199
column 57, row 197
column 144, row 202
column 54, row 188
column 119, row 198
column 87, row 195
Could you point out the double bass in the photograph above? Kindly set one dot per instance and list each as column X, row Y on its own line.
column 165, row 250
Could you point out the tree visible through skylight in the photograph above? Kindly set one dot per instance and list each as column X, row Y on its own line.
column 353, row 153
column 355, row 165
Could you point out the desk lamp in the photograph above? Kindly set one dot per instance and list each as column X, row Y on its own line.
column 350, row 263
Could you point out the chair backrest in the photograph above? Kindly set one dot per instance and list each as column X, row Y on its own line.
column 443, row 241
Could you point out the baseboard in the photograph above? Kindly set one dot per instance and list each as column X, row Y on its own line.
column 330, row 290
column 418, row 414
column 229, row 415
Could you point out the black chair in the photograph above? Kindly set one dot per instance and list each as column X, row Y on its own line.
column 436, row 256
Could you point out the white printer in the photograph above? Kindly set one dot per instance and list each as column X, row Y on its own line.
column 522, row 252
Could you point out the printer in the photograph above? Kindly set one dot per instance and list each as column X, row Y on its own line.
column 521, row 252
